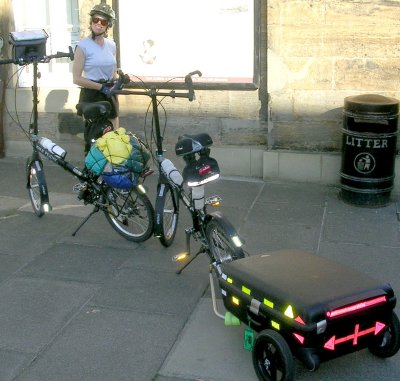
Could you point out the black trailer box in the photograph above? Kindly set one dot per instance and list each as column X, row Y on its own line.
column 316, row 304
column 28, row 44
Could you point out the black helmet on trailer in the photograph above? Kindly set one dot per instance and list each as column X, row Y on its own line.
column 104, row 10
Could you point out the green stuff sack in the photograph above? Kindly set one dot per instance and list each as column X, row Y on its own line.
column 95, row 160
column 139, row 155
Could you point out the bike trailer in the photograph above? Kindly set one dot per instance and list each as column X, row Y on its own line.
column 320, row 308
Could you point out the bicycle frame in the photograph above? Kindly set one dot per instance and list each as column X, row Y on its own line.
column 197, row 210
column 123, row 207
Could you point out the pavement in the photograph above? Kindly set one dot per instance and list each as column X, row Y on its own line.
column 98, row 307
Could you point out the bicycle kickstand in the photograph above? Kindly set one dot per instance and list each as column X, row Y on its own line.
column 188, row 233
column 95, row 210
column 201, row 250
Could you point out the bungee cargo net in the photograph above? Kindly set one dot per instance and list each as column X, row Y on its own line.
column 119, row 157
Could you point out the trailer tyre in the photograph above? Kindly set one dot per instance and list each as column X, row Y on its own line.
column 272, row 357
column 387, row 343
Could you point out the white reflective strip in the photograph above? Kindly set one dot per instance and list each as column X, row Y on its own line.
column 321, row 326
column 255, row 306
column 162, row 187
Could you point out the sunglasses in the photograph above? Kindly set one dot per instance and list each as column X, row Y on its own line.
column 103, row 22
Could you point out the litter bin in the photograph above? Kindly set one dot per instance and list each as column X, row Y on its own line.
column 368, row 149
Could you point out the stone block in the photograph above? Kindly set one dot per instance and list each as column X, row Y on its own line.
column 367, row 74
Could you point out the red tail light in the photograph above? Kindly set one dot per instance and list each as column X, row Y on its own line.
column 355, row 307
column 204, row 170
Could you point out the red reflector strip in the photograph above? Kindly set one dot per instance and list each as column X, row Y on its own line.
column 356, row 307
column 300, row 320
column 331, row 343
column 299, row 338
column 204, row 170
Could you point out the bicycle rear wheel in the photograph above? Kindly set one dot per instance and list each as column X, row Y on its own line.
column 37, row 187
column 131, row 214
column 167, row 214
column 220, row 236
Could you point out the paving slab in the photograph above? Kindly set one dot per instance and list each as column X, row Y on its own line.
column 34, row 310
column 103, row 344
column 95, row 306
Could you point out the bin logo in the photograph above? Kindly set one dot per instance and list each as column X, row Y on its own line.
column 364, row 163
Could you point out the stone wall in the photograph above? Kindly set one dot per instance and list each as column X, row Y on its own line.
column 319, row 52
column 313, row 54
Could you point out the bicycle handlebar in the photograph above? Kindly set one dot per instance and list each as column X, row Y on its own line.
column 42, row 59
column 124, row 79
column 189, row 83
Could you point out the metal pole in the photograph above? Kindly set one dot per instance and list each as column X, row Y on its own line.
column 5, row 21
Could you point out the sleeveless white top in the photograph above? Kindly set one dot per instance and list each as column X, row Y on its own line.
column 100, row 61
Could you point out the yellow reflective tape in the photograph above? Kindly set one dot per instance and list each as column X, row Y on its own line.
column 229, row 280
column 275, row 325
column 268, row 303
column 235, row 300
column 246, row 290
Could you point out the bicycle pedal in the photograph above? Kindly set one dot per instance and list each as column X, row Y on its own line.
column 77, row 188
column 180, row 257
column 213, row 200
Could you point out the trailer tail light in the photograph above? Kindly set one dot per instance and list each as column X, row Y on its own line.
column 356, row 307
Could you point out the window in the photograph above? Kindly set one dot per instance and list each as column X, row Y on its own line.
column 60, row 19
column 160, row 39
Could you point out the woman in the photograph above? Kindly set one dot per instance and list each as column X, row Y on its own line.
column 95, row 62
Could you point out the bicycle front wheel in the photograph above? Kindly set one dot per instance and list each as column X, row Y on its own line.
column 131, row 214
column 37, row 187
column 220, row 237
column 167, row 213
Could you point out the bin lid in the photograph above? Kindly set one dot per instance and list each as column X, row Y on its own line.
column 367, row 104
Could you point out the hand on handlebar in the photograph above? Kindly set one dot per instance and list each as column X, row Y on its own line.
column 107, row 88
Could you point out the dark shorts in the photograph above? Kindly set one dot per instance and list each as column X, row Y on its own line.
column 89, row 95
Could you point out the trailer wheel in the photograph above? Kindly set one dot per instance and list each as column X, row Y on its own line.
column 272, row 357
column 387, row 342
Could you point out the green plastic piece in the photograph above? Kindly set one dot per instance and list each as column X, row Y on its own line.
column 231, row 320
column 248, row 339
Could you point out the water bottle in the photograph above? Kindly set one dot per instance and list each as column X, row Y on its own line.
column 171, row 172
column 53, row 147
column 198, row 197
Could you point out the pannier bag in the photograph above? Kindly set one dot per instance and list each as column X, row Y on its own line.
column 119, row 157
